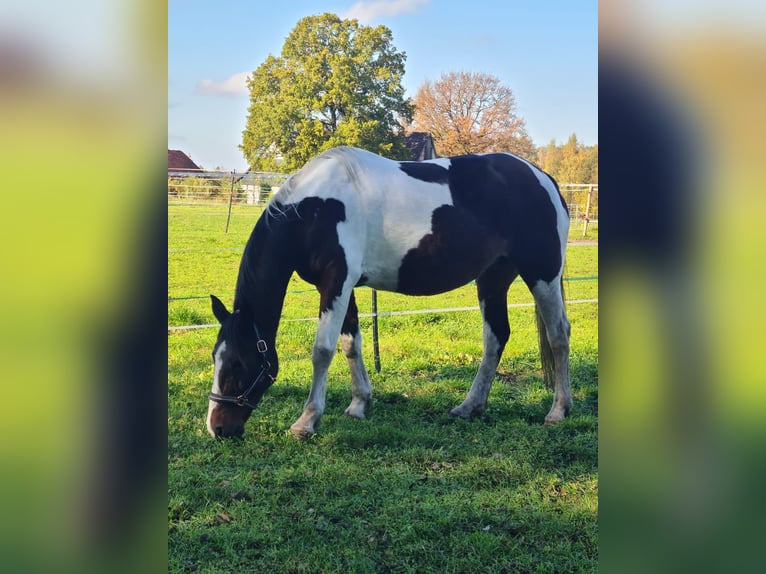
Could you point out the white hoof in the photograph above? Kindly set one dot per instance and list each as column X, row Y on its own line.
column 467, row 412
column 357, row 409
column 302, row 432
column 556, row 414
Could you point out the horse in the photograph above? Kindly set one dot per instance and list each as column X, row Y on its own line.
column 351, row 218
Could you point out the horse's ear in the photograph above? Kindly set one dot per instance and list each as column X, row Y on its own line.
column 219, row 309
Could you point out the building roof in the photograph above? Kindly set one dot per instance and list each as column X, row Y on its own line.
column 421, row 145
column 179, row 161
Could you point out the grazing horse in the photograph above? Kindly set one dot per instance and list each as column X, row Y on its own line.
column 352, row 218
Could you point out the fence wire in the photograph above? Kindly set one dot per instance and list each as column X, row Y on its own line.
column 254, row 189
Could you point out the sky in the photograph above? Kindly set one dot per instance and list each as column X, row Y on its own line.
column 544, row 50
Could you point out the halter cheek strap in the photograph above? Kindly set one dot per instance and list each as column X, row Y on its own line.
column 260, row 343
column 243, row 400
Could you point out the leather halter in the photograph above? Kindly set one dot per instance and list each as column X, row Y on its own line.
column 243, row 400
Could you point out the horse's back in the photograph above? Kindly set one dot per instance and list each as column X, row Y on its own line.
column 427, row 227
column 436, row 225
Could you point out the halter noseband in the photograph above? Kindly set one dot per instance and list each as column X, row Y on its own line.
column 243, row 400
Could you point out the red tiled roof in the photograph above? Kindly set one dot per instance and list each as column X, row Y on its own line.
column 178, row 161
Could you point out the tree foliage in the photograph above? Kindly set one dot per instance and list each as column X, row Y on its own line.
column 468, row 112
column 335, row 82
column 571, row 162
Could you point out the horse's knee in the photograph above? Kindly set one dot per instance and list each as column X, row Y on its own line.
column 321, row 355
column 349, row 346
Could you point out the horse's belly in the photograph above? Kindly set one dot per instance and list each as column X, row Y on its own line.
column 450, row 255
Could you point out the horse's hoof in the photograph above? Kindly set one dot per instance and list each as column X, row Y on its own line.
column 555, row 415
column 462, row 412
column 354, row 415
column 301, row 433
column 356, row 412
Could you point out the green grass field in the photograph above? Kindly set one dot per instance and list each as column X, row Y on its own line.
column 410, row 489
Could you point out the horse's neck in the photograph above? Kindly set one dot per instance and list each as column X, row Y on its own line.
column 264, row 273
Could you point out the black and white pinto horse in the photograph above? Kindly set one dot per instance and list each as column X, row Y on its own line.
column 352, row 218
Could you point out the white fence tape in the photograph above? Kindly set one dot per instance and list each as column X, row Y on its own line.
column 390, row 314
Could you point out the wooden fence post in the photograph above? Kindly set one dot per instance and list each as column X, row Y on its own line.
column 587, row 211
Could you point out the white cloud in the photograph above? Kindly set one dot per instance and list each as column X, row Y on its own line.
column 234, row 85
column 368, row 11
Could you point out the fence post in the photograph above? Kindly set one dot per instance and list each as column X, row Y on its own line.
column 375, row 347
column 587, row 211
column 231, row 198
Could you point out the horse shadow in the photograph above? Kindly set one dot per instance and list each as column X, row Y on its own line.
column 417, row 417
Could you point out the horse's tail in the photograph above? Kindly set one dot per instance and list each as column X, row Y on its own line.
column 546, row 352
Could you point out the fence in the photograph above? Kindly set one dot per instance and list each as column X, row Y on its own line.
column 254, row 189
column 204, row 187
column 582, row 201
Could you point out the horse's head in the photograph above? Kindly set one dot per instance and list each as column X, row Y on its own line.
column 243, row 371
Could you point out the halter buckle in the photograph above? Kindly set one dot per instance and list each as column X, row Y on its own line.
column 262, row 346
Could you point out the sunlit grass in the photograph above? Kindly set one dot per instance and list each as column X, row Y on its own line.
column 410, row 489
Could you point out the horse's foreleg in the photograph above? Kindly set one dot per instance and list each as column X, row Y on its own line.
column 492, row 286
column 333, row 310
column 351, row 343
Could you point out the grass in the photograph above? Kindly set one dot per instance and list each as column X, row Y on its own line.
column 410, row 489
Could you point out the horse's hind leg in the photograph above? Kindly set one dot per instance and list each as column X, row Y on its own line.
column 351, row 343
column 492, row 286
column 550, row 303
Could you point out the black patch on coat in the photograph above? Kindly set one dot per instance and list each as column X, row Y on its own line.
column 454, row 253
column 492, row 289
column 351, row 320
column 499, row 209
column 320, row 258
column 428, row 172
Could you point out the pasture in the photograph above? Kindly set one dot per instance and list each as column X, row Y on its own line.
column 410, row 489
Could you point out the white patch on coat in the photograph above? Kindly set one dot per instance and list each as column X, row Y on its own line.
column 482, row 383
column 217, row 362
column 395, row 208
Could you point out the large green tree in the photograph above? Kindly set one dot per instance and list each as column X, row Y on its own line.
column 335, row 82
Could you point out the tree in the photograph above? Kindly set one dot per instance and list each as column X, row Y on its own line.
column 571, row 162
column 469, row 112
column 570, row 169
column 335, row 83
column 549, row 158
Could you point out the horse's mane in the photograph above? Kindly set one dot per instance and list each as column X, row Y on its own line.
column 282, row 209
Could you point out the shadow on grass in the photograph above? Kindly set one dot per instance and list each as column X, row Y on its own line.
column 417, row 416
column 427, row 391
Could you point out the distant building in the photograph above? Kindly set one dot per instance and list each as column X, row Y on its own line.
column 179, row 161
column 421, row 145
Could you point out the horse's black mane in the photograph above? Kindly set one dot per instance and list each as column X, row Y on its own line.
column 254, row 271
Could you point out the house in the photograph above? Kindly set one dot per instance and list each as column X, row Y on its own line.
column 179, row 161
column 421, row 145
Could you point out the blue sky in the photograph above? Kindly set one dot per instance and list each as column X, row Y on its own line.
column 544, row 50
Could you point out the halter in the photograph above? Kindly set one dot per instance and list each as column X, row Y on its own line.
column 243, row 400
